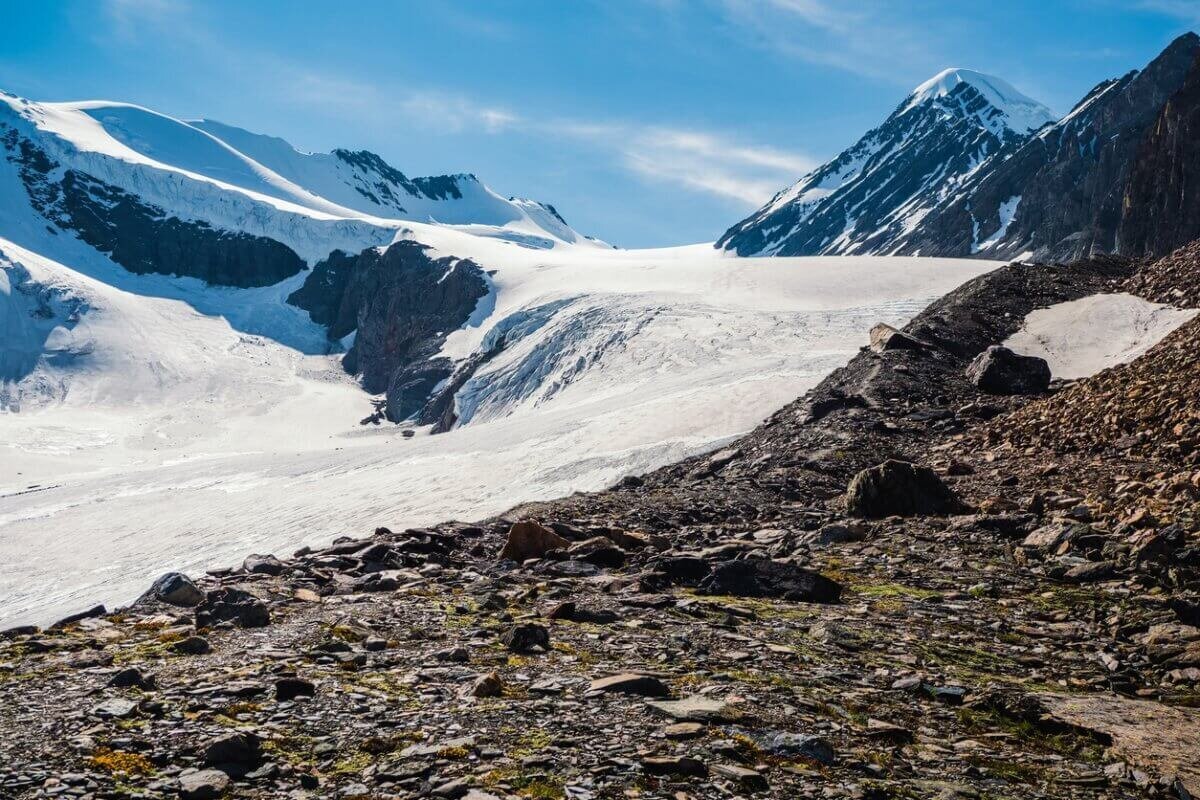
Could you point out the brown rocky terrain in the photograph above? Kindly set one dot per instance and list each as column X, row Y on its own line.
column 1012, row 617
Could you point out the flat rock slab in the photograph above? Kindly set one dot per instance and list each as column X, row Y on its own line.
column 697, row 709
column 630, row 683
column 1159, row 738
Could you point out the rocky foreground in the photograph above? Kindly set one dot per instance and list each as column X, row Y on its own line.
column 909, row 583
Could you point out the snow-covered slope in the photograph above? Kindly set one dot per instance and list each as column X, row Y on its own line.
column 875, row 192
column 630, row 360
column 1083, row 337
column 166, row 402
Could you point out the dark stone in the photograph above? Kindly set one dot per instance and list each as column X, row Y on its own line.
column 91, row 613
column 674, row 765
column 525, row 637
column 232, row 605
column 132, row 678
column 192, row 646
column 764, row 578
column 290, row 688
column 899, row 488
column 999, row 370
column 682, row 570
column 262, row 565
column 235, row 754
column 176, row 589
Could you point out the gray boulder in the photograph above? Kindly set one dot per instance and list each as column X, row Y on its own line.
column 176, row 589
column 999, row 370
column 898, row 488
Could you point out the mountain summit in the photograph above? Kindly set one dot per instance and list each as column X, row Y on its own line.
column 877, row 190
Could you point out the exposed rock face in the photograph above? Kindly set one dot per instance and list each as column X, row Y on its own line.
column 999, row 370
column 898, row 488
column 1160, row 209
column 528, row 539
column 141, row 237
column 402, row 303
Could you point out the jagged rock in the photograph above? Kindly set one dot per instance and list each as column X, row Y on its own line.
column 488, row 685
column 901, row 489
column 91, row 613
column 528, row 540
column 232, row 605
column 569, row 610
column 764, row 578
column 526, row 637
column 207, row 784
column 999, row 370
column 884, row 337
column 630, row 683
column 176, row 589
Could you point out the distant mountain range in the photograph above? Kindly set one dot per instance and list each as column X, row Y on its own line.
column 968, row 166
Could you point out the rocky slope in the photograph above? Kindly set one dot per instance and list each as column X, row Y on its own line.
column 739, row 624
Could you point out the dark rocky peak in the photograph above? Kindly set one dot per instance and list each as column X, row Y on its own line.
column 1161, row 204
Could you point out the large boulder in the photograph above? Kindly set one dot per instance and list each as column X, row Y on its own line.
column 528, row 539
column 999, row 370
column 232, row 605
column 176, row 589
column 898, row 488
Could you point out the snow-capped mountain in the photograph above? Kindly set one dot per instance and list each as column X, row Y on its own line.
column 870, row 196
column 967, row 166
column 1065, row 193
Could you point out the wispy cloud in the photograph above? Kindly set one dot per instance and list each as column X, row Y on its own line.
column 872, row 38
column 1186, row 10
column 699, row 161
column 127, row 16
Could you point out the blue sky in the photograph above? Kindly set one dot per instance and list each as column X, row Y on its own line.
column 646, row 122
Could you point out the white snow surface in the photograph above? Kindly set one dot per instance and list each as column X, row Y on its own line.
column 1021, row 113
column 151, row 422
column 179, row 442
column 1081, row 337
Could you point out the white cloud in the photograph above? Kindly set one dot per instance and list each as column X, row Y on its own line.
column 699, row 161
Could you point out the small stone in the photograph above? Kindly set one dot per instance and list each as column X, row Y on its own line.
column 630, row 683
column 257, row 564
column 999, row 370
column 207, row 784
column 674, row 765
column 749, row 779
column 526, row 637
column 236, row 753
column 797, row 745
column 132, row 677
column 901, row 489
column 192, row 646
column 683, row 730
column 290, row 688
column 488, row 685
